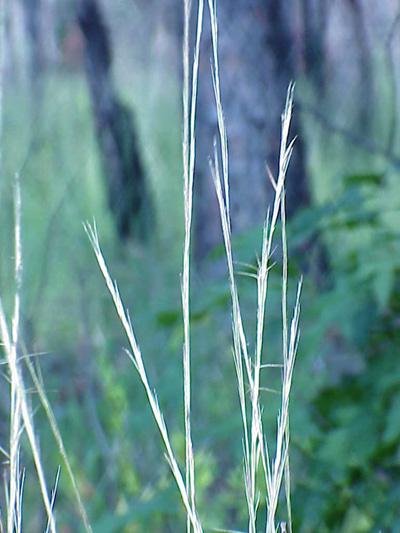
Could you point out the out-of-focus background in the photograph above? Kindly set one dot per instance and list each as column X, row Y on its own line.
column 92, row 122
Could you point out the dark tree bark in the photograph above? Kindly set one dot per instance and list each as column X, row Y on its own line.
column 256, row 50
column 116, row 134
column 281, row 46
column 32, row 10
column 365, row 65
column 314, row 18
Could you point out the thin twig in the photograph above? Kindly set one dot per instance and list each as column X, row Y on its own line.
column 368, row 145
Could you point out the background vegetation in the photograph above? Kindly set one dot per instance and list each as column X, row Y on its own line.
column 345, row 240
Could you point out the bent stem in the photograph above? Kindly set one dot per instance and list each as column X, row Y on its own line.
column 137, row 360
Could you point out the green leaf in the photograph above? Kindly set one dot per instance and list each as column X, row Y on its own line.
column 392, row 427
column 383, row 284
column 168, row 318
column 357, row 521
column 363, row 179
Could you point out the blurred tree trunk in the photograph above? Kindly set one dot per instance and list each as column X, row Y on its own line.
column 35, row 59
column 282, row 48
column 366, row 103
column 15, row 41
column 116, row 133
column 257, row 62
column 314, row 19
column 33, row 28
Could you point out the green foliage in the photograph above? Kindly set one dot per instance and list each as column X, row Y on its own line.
column 345, row 415
column 346, row 471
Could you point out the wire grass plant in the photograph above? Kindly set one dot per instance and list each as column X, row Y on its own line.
column 248, row 367
column 21, row 418
column 260, row 463
column 21, row 415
